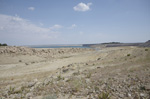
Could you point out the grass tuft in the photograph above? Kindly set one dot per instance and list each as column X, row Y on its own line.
column 104, row 95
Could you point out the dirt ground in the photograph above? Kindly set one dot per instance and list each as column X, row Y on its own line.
column 75, row 73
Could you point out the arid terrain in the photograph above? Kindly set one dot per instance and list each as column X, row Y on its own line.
column 75, row 73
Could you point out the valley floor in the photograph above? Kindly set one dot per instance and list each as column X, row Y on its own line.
column 75, row 73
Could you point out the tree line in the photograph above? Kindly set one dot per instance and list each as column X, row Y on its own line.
column 3, row 44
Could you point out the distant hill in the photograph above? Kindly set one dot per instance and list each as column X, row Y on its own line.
column 117, row 44
column 146, row 44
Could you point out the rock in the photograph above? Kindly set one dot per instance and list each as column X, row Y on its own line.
column 18, row 96
column 26, row 63
column 35, row 80
column 46, row 82
column 142, row 94
column 31, row 89
column 87, row 81
column 121, row 95
column 28, row 95
column 31, row 84
column 129, row 95
column 63, row 67
column 69, row 65
column 98, row 67
column 38, row 84
column 65, row 70
column 32, row 62
column 136, row 97
column 12, row 96
column 76, row 73
column 18, row 90
column 98, row 58
column 79, row 96
column 147, row 87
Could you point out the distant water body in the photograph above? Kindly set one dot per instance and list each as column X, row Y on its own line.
column 46, row 46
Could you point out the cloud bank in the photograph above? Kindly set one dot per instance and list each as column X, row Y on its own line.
column 16, row 30
column 82, row 7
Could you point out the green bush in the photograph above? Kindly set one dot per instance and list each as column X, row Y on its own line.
column 128, row 54
column 146, row 49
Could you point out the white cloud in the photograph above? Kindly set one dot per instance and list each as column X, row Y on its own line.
column 31, row 8
column 81, row 33
column 41, row 24
column 72, row 26
column 56, row 26
column 82, row 7
column 11, row 23
column 19, row 30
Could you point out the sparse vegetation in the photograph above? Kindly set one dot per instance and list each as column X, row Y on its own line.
column 87, row 81
column 128, row 55
column 104, row 95
column 88, row 75
column 142, row 87
column 59, row 77
column 11, row 90
column 111, row 43
column 146, row 49
column 50, row 97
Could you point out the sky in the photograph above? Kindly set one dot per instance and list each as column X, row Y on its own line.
column 43, row 22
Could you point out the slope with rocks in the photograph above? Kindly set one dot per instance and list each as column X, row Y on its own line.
column 115, row 72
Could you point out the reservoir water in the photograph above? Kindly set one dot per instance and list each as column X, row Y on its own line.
column 59, row 46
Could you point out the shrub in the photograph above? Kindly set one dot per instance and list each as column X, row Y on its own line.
column 146, row 49
column 128, row 54
column 59, row 77
column 142, row 87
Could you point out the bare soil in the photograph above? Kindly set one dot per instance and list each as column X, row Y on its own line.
column 70, row 73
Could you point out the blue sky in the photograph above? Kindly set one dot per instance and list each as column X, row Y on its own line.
column 34, row 22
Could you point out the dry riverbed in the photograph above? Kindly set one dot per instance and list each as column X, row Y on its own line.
column 75, row 73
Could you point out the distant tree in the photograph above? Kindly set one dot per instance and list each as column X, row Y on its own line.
column 4, row 44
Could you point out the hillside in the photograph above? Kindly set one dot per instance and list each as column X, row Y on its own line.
column 74, row 73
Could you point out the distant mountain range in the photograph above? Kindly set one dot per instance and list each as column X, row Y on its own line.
column 117, row 44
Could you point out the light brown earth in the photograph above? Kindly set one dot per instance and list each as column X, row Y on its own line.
column 70, row 73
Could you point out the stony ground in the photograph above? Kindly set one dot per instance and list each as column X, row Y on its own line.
column 73, row 73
